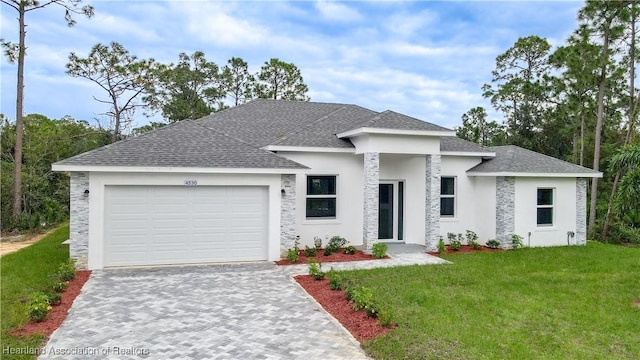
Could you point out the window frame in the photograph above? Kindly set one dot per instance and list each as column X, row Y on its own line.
column 321, row 196
column 449, row 196
column 546, row 206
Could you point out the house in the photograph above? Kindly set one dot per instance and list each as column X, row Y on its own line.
column 241, row 184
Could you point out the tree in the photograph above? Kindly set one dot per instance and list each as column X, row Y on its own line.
column 477, row 129
column 120, row 74
column 16, row 53
column 520, row 91
column 627, row 200
column 186, row 90
column 281, row 80
column 602, row 20
column 236, row 81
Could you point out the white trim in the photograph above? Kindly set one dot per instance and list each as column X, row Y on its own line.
column 468, row 153
column 161, row 169
column 546, row 175
column 368, row 130
column 309, row 149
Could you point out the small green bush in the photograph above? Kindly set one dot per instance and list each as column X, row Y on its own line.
column 39, row 306
column 67, row 270
column 59, row 286
column 54, row 298
column 442, row 248
column 335, row 280
column 472, row 240
column 454, row 241
column 336, row 243
column 310, row 251
column 350, row 250
column 379, row 250
column 315, row 270
column 362, row 299
column 317, row 242
column 327, row 251
column 493, row 243
column 516, row 242
column 293, row 255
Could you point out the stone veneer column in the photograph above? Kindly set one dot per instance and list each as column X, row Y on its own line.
column 505, row 209
column 371, row 199
column 432, row 202
column 581, row 211
column 79, row 222
column 287, row 213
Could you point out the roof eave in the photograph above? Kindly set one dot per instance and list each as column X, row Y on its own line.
column 485, row 155
column 534, row 174
column 175, row 169
column 309, row 149
column 370, row 130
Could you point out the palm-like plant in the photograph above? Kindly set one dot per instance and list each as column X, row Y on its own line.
column 627, row 160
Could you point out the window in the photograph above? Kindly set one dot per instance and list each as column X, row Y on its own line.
column 321, row 197
column 545, row 207
column 447, row 196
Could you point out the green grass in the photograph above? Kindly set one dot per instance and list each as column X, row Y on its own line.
column 22, row 273
column 544, row 303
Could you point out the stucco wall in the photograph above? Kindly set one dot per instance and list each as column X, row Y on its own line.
column 396, row 144
column 100, row 180
column 564, row 214
column 467, row 197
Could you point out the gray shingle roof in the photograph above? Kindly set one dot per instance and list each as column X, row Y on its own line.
column 514, row 159
column 184, row 144
column 451, row 143
column 392, row 120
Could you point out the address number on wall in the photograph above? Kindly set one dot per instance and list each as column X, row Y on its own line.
column 190, row 182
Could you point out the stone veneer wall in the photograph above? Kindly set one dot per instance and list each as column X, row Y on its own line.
column 79, row 223
column 371, row 198
column 432, row 202
column 287, row 213
column 505, row 209
column 581, row 211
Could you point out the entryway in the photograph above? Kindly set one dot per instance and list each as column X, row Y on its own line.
column 391, row 210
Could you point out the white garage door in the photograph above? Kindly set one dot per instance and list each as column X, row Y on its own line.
column 156, row 225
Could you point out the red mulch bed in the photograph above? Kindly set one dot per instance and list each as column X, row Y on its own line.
column 58, row 312
column 338, row 256
column 335, row 302
column 466, row 249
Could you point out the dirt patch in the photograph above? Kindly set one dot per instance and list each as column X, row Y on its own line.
column 465, row 249
column 59, row 312
column 11, row 244
column 637, row 303
column 335, row 302
column 338, row 256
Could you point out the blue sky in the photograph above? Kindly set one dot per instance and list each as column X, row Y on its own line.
column 426, row 59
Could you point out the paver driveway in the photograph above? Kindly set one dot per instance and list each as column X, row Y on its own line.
column 249, row 311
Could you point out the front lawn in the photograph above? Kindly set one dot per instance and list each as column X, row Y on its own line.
column 543, row 303
column 21, row 274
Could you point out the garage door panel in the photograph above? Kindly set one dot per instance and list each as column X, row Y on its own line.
column 155, row 225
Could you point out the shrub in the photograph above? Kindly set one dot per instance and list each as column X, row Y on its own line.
column 54, row 298
column 327, row 251
column 493, row 243
column 67, row 270
column 516, row 242
column 315, row 269
column 379, row 250
column 310, row 251
column 59, row 286
column 317, row 242
column 292, row 255
column 472, row 240
column 336, row 243
column 362, row 299
column 39, row 306
column 335, row 280
column 442, row 248
column 350, row 250
column 454, row 241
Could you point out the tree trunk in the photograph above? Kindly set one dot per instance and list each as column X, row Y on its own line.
column 17, row 162
column 582, row 138
column 632, row 116
column 598, row 136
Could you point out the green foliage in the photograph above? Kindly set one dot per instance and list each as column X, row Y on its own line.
column 237, row 82
column 493, row 243
column 379, row 250
column 455, row 241
column 472, row 240
column 67, row 270
column 281, row 80
column 293, row 255
column 327, row 251
column 477, row 129
column 315, row 270
column 54, row 298
column 442, row 248
column 310, row 251
column 45, row 193
column 335, row 280
column 59, row 286
column 516, row 242
column 39, row 306
column 350, row 250
column 317, row 242
column 362, row 299
column 336, row 243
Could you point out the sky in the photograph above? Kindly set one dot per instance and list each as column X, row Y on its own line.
column 426, row 59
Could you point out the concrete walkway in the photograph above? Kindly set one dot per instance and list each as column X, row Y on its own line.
column 240, row 311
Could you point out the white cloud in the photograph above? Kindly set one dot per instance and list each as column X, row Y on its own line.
column 337, row 12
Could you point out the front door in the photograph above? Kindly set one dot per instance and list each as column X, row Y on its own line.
column 390, row 210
